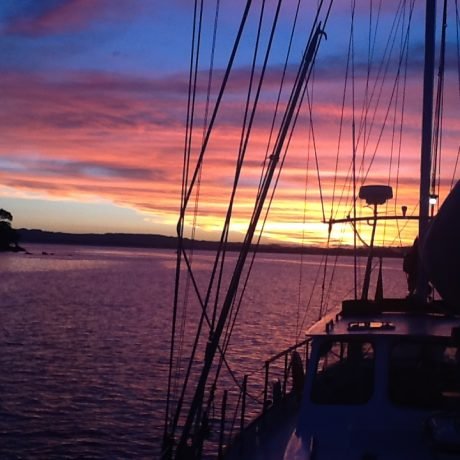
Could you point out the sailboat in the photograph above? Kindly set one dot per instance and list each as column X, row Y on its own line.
column 376, row 378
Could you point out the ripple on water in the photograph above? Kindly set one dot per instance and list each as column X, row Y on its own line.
column 84, row 345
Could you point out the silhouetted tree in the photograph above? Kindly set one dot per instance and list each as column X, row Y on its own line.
column 8, row 235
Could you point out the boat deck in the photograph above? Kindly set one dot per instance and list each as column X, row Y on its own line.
column 266, row 437
column 389, row 317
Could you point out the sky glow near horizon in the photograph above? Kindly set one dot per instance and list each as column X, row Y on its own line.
column 94, row 100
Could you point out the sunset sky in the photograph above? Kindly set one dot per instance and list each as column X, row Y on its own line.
column 93, row 110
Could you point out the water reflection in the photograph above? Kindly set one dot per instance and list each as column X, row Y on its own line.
column 84, row 341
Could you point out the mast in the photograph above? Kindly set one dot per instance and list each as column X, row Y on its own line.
column 427, row 126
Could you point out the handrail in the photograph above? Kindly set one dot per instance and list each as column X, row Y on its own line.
column 287, row 350
column 226, row 434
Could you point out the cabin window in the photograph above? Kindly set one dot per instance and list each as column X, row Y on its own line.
column 344, row 373
column 425, row 374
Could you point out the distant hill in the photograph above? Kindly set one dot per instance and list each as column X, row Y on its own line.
column 129, row 240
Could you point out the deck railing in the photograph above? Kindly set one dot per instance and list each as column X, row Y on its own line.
column 276, row 368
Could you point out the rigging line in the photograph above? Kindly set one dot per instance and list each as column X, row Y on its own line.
column 266, row 215
column 455, row 169
column 210, row 75
column 260, row 199
column 297, row 92
column 187, row 194
column 189, row 116
column 342, row 116
column 197, row 196
column 246, row 133
column 458, row 76
column 315, row 150
column 217, row 106
column 269, row 206
column 190, row 364
column 223, row 252
column 366, row 109
column 257, row 244
column 403, row 111
column 312, row 291
column 315, row 22
column 351, row 51
column 245, row 130
column 394, row 125
column 356, row 232
column 199, row 392
column 221, row 243
column 241, row 296
column 321, row 303
column 332, row 275
column 458, row 44
column 211, row 69
column 387, row 112
column 316, row 25
column 388, row 50
column 313, row 48
column 180, row 234
column 302, row 248
column 437, row 137
column 370, row 58
column 408, row 221
column 203, row 316
column 283, row 76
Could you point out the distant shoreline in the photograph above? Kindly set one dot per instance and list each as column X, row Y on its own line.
column 129, row 240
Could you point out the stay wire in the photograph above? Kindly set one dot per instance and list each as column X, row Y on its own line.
column 245, row 131
column 243, row 146
column 400, row 134
column 313, row 31
column 221, row 250
column 437, row 136
column 342, row 115
column 353, row 138
column 315, row 150
column 395, row 123
column 390, row 44
column 302, row 248
column 180, row 229
column 363, row 129
column 255, row 104
column 280, row 91
column 195, row 211
column 188, row 192
column 457, row 16
column 311, row 60
column 367, row 109
column 263, row 226
column 217, row 105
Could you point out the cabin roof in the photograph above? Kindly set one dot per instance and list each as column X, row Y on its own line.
column 389, row 317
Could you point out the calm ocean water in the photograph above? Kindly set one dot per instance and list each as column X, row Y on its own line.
column 84, row 338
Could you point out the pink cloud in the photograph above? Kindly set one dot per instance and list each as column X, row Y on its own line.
column 71, row 15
